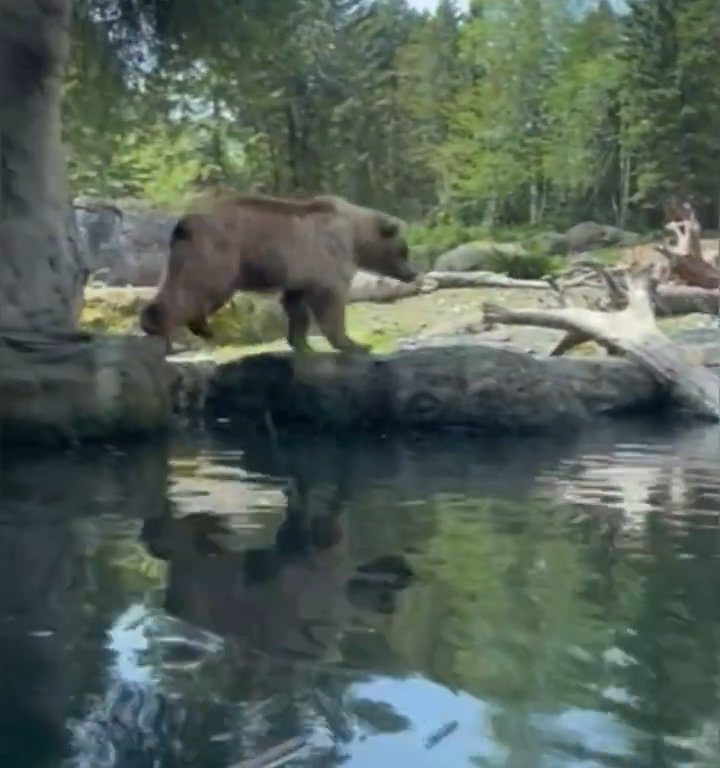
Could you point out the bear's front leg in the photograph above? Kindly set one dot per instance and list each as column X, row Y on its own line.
column 329, row 311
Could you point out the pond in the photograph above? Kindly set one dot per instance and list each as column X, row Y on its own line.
column 444, row 601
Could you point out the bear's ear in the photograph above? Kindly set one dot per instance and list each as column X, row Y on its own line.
column 387, row 227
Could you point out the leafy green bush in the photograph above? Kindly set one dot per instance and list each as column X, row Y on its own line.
column 527, row 266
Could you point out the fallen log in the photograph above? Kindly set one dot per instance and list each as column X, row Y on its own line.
column 477, row 387
column 677, row 300
column 473, row 386
column 631, row 331
column 483, row 280
column 369, row 287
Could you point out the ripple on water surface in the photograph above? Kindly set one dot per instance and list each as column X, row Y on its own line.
column 442, row 601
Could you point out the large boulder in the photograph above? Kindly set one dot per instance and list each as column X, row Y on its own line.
column 510, row 259
column 589, row 235
column 123, row 246
column 99, row 225
column 480, row 255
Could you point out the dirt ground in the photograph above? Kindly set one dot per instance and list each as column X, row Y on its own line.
column 425, row 319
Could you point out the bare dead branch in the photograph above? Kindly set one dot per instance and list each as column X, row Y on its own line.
column 616, row 293
column 632, row 331
column 569, row 341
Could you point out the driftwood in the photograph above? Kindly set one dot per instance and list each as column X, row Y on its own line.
column 677, row 300
column 669, row 299
column 369, row 287
column 482, row 280
column 633, row 332
column 685, row 256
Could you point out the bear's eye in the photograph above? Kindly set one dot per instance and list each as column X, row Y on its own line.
column 387, row 228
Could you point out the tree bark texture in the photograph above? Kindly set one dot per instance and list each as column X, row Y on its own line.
column 475, row 387
column 41, row 270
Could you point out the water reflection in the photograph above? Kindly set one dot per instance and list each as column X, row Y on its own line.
column 61, row 519
column 444, row 601
column 292, row 599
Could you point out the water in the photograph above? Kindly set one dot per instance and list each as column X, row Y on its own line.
column 454, row 602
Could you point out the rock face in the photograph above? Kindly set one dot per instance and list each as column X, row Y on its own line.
column 75, row 387
column 123, row 247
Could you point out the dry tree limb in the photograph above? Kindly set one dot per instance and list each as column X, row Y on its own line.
column 374, row 288
column 633, row 331
column 669, row 299
column 569, row 341
column 582, row 271
column 685, row 255
column 691, row 269
column 684, row 224
column 482, row 279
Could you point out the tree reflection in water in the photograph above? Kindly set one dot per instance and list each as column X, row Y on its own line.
column 562, row 609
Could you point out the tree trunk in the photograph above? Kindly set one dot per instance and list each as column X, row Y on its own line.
column 625, row 170
column 41, row 275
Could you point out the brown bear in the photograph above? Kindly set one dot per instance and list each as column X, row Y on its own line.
column 306, row 250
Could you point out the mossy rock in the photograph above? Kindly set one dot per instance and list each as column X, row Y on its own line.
column 244, row 320
column 589, row 236
column 549, row 243
column 249, row 320
column 511, row 259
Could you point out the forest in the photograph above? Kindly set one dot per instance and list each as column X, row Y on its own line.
column 511, row 113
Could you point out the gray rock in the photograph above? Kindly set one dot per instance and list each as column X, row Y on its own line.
column 589, row 235
column 123, row 247
column 145, row 238
column 478, row 255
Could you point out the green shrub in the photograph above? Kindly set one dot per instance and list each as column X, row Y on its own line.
column 525, row 266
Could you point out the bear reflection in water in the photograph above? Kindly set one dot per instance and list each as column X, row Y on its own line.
column 293, row 598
